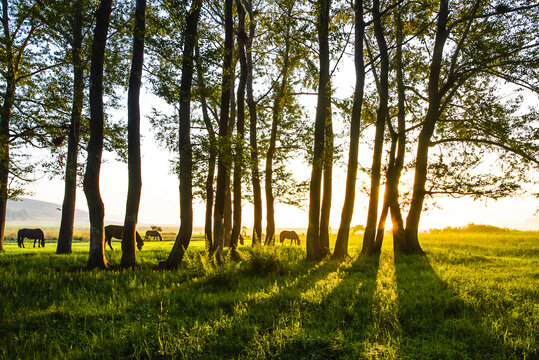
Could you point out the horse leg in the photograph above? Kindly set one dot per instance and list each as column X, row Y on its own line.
column 108, row 240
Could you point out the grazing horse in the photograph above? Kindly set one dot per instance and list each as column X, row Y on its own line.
column 292, row 235
column 36, row 234
column 153, row 234
column 115, row 231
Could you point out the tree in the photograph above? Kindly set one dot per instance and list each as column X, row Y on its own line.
column 253, row 119
column 95, row 146
column 223, row 161
column 397, row 151
column 240, row 129
column 186, row 162
column 59, row 95
column 212, row 149
column 381, row 115
column 23, row 123
column 281, row 91
column 65, row 236
column 341, row 244
column 133, row 134
column 486, row 42
column 314, row 246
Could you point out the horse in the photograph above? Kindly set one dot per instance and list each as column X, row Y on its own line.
column 36, row 234
column 152, row 234
column 292, row 235
column 115, row 231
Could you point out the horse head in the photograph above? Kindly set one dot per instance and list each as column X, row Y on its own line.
column 140, row 242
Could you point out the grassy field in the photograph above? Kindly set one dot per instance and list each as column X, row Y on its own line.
column 474, row 296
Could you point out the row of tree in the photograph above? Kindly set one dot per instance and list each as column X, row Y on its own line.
column 428, row 75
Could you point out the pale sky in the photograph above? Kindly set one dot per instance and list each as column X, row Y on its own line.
column 160, row 194
column 160, row 197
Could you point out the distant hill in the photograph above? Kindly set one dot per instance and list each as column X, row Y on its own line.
column 30, row 211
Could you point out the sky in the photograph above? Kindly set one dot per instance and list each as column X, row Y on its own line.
column 159, row 203
column 160, row 195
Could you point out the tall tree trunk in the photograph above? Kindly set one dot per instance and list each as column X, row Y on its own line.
column 65, row 236
column 95, row 146
column 240, row 129
column 212, row 153
column 314, row 247
column 398, row 142
column 222, row 169
column 251, row 104
column 7, row 106
column 377, row 246
column 231, row 124
column 280, row 93
column 372, row 212
column 133, row 139
column 227, row 220
column 341, row 244
column 328, row 180
column 411, row 242
column 186, row 161
column 396, row 215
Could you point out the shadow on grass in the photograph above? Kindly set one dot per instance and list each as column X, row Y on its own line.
column 301, row 309
column 335, row 327
column 240, row 317
column 436, row 323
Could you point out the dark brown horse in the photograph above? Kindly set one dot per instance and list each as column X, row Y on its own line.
column 35, row 234
column 115, row 231
column 153, row 234
column 292, row 235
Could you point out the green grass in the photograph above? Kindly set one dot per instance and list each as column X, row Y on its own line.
column 474, row 296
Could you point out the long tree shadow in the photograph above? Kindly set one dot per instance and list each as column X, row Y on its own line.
column 336, row 326
column 215, row 317
column 260, row 312
column 436, row 323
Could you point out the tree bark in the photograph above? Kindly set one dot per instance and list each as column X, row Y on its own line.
column 277, row 107
column 377, row 246
column 228, row 214
column 133, row 139
column 314, row 247
column 240, row 129
column 396, row 215
column 411, row 242
column 95, row 146
column 372, row 212
column 341, row 244
column 212, row 154
column 65, row 236
column 186, row 161
column 251, row 104
column 7, row 106
column 327, row 185
column 223, row 163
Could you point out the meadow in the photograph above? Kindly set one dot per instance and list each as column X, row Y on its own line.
column 473, row 296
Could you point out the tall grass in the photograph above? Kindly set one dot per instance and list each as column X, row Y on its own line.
column 473, row 296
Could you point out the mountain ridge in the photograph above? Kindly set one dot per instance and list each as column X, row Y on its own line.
column 33, row 211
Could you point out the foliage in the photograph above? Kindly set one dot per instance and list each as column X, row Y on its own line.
column 356, row 229
column 472, row 296
column 474, row 228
